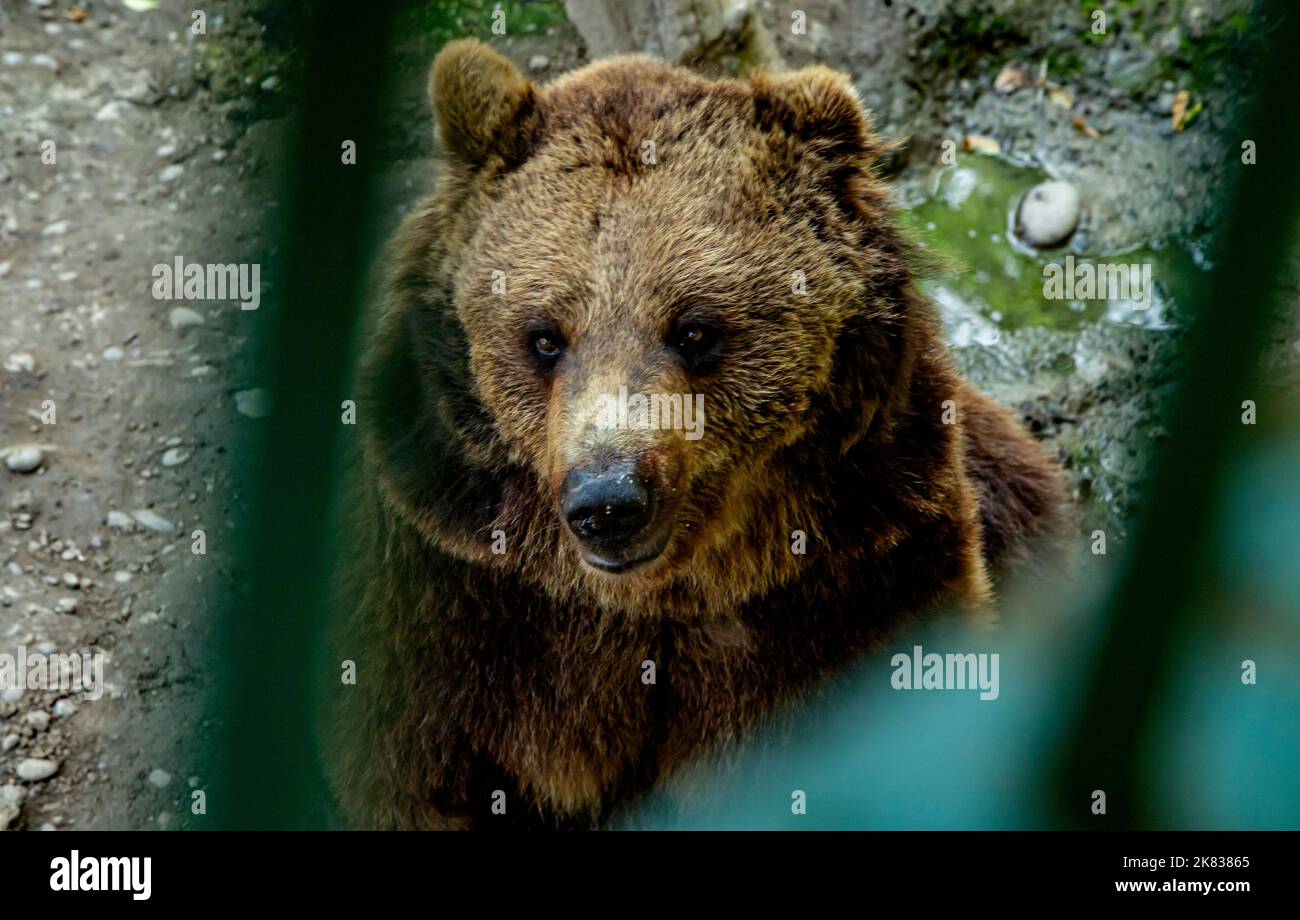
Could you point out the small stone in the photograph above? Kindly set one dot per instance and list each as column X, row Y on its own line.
column 218, row 155
column 64, row 708
column 166, row 151
column 146, row 518
column 160, row 778
column 20, row 362
column 24, row 459
column 1048, row 215
column 118, row 520
column 253, row 403
column 38, row 719
column 113, row 353
column 66, row 605
column 71, row 580
column 271, row 83
column 58, row 228
column 11, row 805
column 175, row 457
column 538, row 62
column 171, row 173
column 8, row 743
column 35, row 770
column 182, row 318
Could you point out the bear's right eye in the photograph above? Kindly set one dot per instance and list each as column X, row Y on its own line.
column 548, row 346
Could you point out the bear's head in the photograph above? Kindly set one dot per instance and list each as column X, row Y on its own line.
column 643, row 318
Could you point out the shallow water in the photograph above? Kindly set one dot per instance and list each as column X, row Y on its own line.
column 988, row 281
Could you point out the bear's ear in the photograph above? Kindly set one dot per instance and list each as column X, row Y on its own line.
column 819, row 106
column 484, row 107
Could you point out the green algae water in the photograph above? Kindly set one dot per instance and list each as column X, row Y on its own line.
column 988, row 281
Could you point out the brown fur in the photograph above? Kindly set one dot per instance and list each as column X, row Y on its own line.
column 522, row 672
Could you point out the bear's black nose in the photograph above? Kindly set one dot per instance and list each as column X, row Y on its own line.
column 606, row 507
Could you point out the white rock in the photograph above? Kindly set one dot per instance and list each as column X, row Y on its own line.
column 175, row 457
column 160, row 778
column 11, row 805
column 538, row 62
column 1049, row 214
column 64, row 708
column 146, row 518
column 183, row 318
column 118, row 520
column 58, row 228
column 24, row 459
column 253, row 403
column 35, row 770
column 20, row 361
column 113, row 353
column 171, row 173
column 38, row 719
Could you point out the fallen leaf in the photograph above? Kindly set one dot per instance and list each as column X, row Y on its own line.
column 978, row 143
column 1179, row 116
column 1084, row 128
column 1010, row 79
column 75, row 14
column 1062, row 97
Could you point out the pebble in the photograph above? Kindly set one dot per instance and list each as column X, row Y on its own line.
column 58, row 228
column 253, row 403
column 271, row 83
column 8, row 743
column 149, row 519
column 175, row 457
column 66, row 605
column 171, row 173
column 20, row 361
column 71, row 580
column 160, row 778
column 24, row 459
column 538, row 62
column 64, row 708
column 113, row 353
column 11, row 805
column 118, row 520
column 183, row 318
column 38, row 719
column 1049, row 214
column 35, row 770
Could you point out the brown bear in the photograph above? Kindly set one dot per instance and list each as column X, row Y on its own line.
column 558, row 596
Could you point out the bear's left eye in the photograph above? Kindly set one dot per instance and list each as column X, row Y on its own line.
column 696, row 343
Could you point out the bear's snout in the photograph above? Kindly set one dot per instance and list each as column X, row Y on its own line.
column 609, row 508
